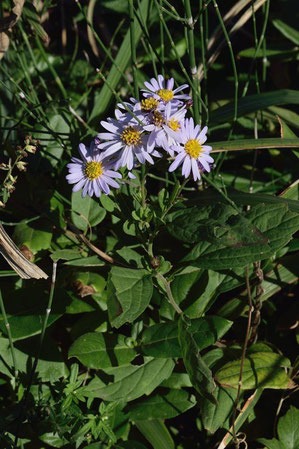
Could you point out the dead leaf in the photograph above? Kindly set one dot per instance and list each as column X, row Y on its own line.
column 6, row 24
column 16, row 259
column 84, row 290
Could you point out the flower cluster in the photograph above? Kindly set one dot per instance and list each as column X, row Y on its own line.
column 138, row 134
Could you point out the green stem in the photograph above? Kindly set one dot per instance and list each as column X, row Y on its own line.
column 177, row 55
column 162, row 43
column 133, row 47
column 146, row 41
column 192, row 59
column 203, row 58
column 170, row 297
column 229, row 44
column 143, row 181
column 7, row 325
column 257, row 48
column 51, row 68
column 103, row 47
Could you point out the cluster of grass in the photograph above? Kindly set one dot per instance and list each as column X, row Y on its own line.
column 170, row 319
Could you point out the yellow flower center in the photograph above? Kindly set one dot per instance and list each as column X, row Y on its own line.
column 193, row 148
column 174, row 125
column 165, row 94
column 149, row 104
column 157, row 118
column 131, row 136
column 93, row 170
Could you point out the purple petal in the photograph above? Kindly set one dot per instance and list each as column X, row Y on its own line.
column 109, row 126
column 170, row 84
column 79, row 185
column 182, row 87
column 186, row 167
column 195, row 170
column 161, row 81
column 178, row 160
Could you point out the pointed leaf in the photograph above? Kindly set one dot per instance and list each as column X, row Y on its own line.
column 100, row 351
column 129, row 294
column 129, row 382
column 260, row 370
column 199, row 373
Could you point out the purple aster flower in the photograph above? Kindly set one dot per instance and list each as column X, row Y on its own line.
column 192, row 154
column 92, row 173
column 163, row 90
column 125, row 141
column 165, row 127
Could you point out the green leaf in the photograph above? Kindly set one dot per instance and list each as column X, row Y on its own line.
column 131, row 257
column 162, row 406
column 161, row 340
column 252, row 144
column 65, row 254
column 199, row 373
column 276, row 221
column 271, row 444
column 156, row 433
column 50, row 365
column 289, row 32
column 271, row 52
column 183, row 281
column 129, row 294
column 288, row 430
column 177, row 381
column 240, row 198
column 35, row 236
column 86, row 211
column 100, row 351
column 214, row 416
column 216, row 223
column 235, row 241
column 91, row 261
column 122, row 60
column 252, row 103
column 261, row 370
column 129, row 382
column 26, row 310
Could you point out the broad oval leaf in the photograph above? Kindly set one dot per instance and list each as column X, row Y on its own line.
column 129, row 382
column 161, row 340
column 35, row 236
column 260, row 370
column 26, row 311
column 162, row 406
column 100, row 351
column 288, row 429
column 199, row 373
column 235, row 241
column 86, row 211
column 129, row 294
